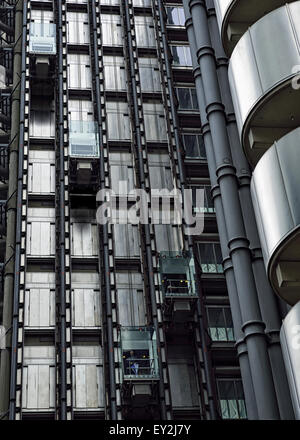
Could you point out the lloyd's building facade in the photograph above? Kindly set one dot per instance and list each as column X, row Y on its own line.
column 148, row 321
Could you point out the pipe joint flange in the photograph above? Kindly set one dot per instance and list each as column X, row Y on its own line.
column 211, row 12
column 197, row 72
column 188, row 22
column 257, row 254
column 204, row 51
column 227, row 264
column 273, row 336
column 205, row 128
column 215, row 191
column 231, row 118
column 193, row 3
column 238, row 243
column 215, row 107
column 244, row 177
column 226, row 169
column 222, row 61
column 241, row 347
column 253, row 327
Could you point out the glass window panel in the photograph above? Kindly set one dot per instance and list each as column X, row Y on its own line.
column 194, row 99
column 202, row 152
column 242, row 409
column 219, row 257
column 181, row 16
column 188, row 57
column 179, row 56
column 191, row 145
column 211, row 262
column 233, row 409
column 175, row 15
column 194, row 146
column 208, row 200
column 207, row 257
column 172, row 15
column 232, row 401
column 224, row 409
column 220, row 323
column 184, row 98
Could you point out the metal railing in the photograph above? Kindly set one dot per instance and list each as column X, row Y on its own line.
column 139, row 367
column 175, row 287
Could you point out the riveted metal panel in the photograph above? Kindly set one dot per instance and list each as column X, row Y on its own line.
column 79, row 71
column 80, row 110
column 114, row 73
column 149, row 75
column 168, row 237
column 184, row 386
column 41, row 232
column 160, row 171
column 77, row 28
column 118, row 121
column 155, row 122
column 86, row 308
column 88, row 380
column 142, row 3
column 41, row 15
column 121, row 171
column 183, row 383
column 39, row 307
column 42, row 123
column 112, row 32
column 38, row 378
column 130, row 298
column 145, row 33
column 84, row 233
column 41, row 172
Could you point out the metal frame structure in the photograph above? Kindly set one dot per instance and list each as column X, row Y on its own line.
column 117, row 392
column 106, row 255
column 63, row 263
column 142, row 172
column 201, row 343
column 230, row 217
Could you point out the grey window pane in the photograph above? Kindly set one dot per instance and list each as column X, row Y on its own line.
column 242, row 409
column 216, row 317
column 178, row 55
column 224, row 409
column 208, row 199
column 233, row 409
column 191, row 145
column 207, row 257
column 181, row 16
column 202, row 152
column 175, row 55
column 218, row 254
column 228, row 317
column 239, row 389
column 232, row 401
column 184, row 98
column 172, row 15
column 194, row 99
column 226, row 389
column 175, row 15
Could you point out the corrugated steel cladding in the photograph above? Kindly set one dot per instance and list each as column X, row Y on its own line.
column 184, row 377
